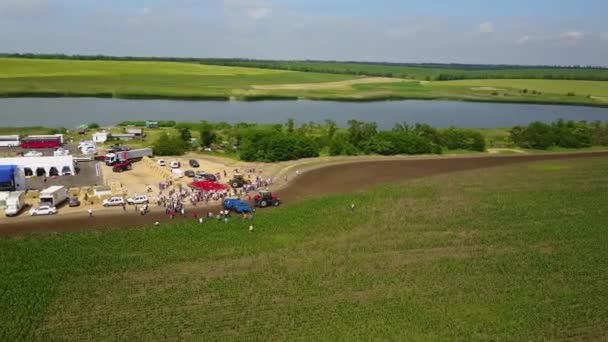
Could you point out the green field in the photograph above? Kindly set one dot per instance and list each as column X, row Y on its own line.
column 128, row 79
column 424, row 71
column 21, row 77
column 515, row 253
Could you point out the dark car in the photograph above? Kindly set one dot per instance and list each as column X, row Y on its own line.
column 74, row 202
column 189, row 174
column 194, row 163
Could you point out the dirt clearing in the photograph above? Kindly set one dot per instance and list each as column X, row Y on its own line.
column 340, row 85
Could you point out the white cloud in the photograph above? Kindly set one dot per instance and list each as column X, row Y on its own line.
column 252, row 9
column 257, row 13
column 572, row 36
column 486, row 27
column 604, row 36
column 145, row 11
column 568, row 37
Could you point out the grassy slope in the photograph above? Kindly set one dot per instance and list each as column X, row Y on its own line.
column 503, row 254
column 25, row 77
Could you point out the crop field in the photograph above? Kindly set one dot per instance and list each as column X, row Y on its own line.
column 128, row 79
column 512, row 253
column 21, row 77
column 424, row 71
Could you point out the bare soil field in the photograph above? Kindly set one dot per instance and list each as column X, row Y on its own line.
column 329, row 85
column 316, row 180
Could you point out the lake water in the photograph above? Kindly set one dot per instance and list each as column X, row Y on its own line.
column 72, row 112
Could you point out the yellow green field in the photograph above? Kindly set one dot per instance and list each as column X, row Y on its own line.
column 130, row 79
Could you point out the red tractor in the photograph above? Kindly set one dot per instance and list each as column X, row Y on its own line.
column 122, row 166
column 266, row 199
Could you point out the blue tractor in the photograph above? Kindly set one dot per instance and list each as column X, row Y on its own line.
column 237, row 206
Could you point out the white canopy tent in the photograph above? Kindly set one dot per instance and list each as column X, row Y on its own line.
column 39, row 166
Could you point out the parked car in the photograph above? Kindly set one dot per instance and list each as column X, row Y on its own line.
column 43, row 210
column 74, row 202
column 194, row 163
column 189, row 174
column 33, row 153
column 114, row 201
column 138, row 199
column 175, row 164
column 161, row 162
column 177, row 173
column 205, row 176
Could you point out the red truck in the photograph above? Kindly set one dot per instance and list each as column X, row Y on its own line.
column 122, row 166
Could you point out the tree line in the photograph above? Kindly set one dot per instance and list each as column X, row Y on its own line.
column 273, row 143
column 561, row 133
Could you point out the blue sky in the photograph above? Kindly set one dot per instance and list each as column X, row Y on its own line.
column 466, row 31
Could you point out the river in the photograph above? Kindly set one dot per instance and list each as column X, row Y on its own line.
column 72, row 112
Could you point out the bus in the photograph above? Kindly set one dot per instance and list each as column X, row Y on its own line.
column 48, row 141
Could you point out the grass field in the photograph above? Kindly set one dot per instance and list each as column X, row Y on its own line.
column 123, row 79
column 515, row 253
column 425, row 71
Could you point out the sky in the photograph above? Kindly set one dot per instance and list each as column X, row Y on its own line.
column 532, row 32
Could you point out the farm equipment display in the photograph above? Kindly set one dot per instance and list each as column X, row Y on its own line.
column 266, row 199
column 237, row 206
column 238, row 181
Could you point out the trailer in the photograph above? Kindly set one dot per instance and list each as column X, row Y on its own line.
column 131, row 155
column 15, row 202
column 9, row 141
column 41, row 141
column 53, row 196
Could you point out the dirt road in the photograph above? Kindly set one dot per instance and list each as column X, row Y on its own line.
column 342, row 177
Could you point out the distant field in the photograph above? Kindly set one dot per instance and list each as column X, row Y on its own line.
column 515, row 254
column 135, row 79
column 128, row 79
column 425, row 71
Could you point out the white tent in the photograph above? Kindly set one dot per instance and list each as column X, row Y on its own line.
column 39, row 166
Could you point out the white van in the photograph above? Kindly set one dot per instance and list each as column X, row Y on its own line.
column 177, row 173
column 15, row 203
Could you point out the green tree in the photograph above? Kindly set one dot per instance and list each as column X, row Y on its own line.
column 167, row 145
column 185, row 135
column 207, row 134
column 290, row 125
column 93, row 125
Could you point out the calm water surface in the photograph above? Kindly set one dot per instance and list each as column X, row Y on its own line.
column 72, row 112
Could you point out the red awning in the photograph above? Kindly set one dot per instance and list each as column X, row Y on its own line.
column 207, row 186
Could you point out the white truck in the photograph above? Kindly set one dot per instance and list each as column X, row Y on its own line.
column 54, row 195
column 14, row 203
column 131, row 155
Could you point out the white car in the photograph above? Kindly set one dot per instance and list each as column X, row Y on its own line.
column 175, row 164
column 89, row 150
column 33, row 154
column 114, row 201
column 161, row 162
column 177, row 173
column 43, row 210
column 138, row 199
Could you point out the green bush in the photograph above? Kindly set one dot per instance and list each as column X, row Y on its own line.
column 167, row 145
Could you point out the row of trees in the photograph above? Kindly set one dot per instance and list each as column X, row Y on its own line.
column 271, row 143
column 566, row 134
